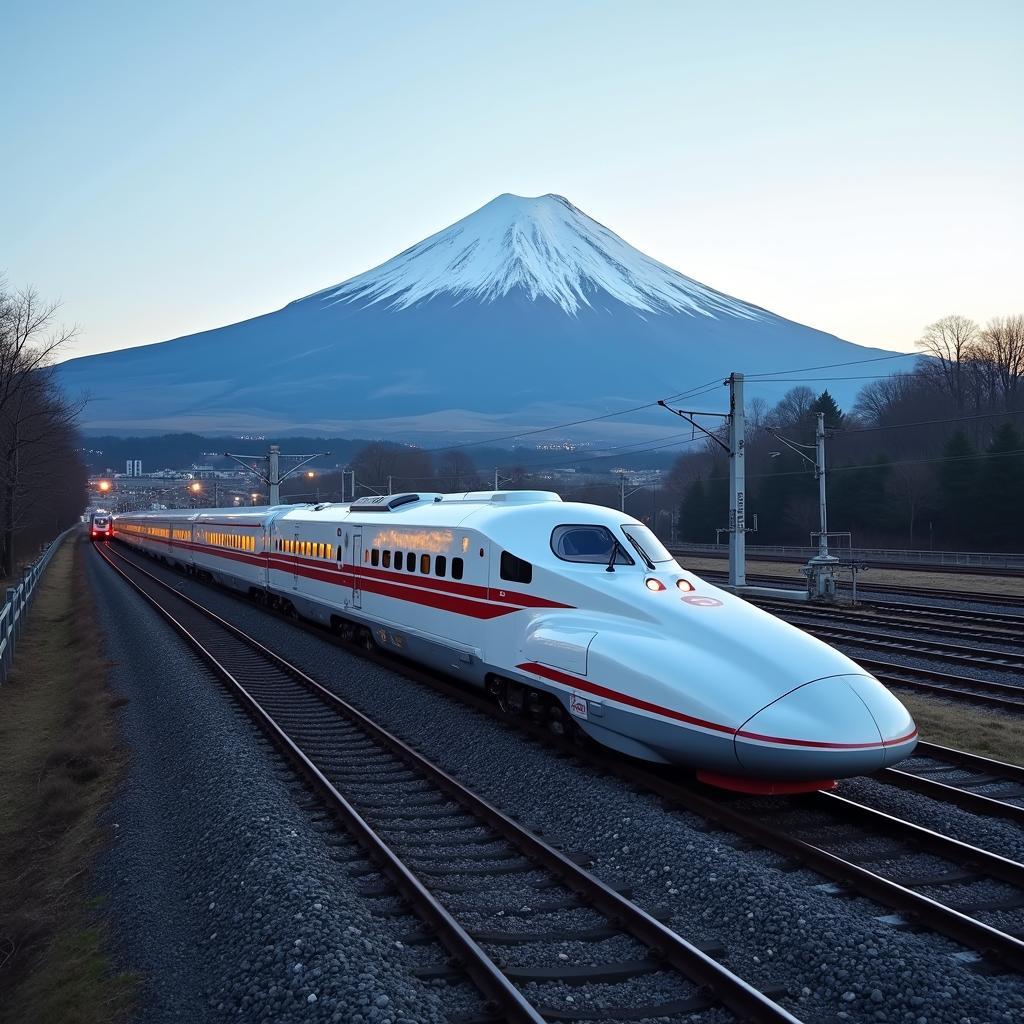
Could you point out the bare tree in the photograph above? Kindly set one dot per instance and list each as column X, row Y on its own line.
column 1001, row 344
column 794, row 407
column 36, row 420
column 950, row 342
column 875, row 400
column 407, row 466
column 456, row 471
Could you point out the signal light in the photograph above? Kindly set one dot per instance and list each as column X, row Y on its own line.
column 684, row 585
column 652, row 584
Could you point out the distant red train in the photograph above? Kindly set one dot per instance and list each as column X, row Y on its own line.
column 99, row 525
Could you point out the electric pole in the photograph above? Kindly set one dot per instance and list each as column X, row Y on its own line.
column 737, row 484
column 273, row 478
column 736, row 450
column 821, row 568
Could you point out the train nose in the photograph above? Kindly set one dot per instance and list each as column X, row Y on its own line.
column 836, row 726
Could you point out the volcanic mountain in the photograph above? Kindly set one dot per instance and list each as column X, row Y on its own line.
column 526, row 313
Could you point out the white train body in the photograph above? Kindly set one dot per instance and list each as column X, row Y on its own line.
column 512, row 591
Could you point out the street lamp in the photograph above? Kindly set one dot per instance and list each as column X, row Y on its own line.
column 195, row 487
column 254, row 497
column 104, row 486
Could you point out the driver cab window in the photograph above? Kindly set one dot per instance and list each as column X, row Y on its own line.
column 588, row 543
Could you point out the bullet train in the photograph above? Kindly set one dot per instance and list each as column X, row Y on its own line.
column 573, row 614
column 100, row 525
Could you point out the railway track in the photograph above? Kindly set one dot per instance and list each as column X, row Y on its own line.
column 1002, row 696
column 863, row 636
column 798, row 586
column 1010, row 634
column 457, row 860
column 960, row 570
column 978, row 784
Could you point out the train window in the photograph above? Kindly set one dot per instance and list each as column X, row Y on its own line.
column 440, row 565
column 456, row 568
column 398, row 559
column 425, row 564
column 385, row 559
column 375, row 556
column 410, row 561
column 515, row 570
column 366, row 555
column 588, row 543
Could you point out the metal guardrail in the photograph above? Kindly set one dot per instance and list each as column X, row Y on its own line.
column 12, row 615
column 981, row 559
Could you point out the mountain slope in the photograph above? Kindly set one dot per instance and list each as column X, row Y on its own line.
column 525, row 313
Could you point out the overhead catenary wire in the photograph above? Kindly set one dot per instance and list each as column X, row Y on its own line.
column 832, row 366
column 692, row 393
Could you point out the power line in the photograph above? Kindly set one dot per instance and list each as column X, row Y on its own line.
column 692, row 393
column 819, row 380
column 832, row 366
column 927, row 423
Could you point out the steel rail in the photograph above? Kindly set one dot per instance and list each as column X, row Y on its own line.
column 477, row 964
column 916, row 907
column 745, row 1001
column 1007, row 949
column 991, row 771
column 945, row 684
column 978, row 597
column 1009, row 635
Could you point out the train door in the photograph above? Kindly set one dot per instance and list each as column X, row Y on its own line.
column 295, row 560
column 357, row 561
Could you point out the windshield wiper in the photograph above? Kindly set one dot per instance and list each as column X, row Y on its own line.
column 610, row 567
column 640, row 551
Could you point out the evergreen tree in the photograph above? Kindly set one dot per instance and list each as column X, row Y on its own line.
column 827, row 404
column 693, row 513
column 1001, row 489
column 958, row 491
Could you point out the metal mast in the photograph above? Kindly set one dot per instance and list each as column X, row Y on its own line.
column 736, row 450
column 273, row 477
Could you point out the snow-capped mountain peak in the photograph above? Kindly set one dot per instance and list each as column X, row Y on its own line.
column 543, row 246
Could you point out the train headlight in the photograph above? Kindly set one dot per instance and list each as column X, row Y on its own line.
column 652, row 584
column 684, row 585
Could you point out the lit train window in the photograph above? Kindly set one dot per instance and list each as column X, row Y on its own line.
column 425, row 564
column 375, row 557
column 515, row 570
column 410, row 562
column 456, row 568
column 366, row 555
column 385, row 559
column 440, row 565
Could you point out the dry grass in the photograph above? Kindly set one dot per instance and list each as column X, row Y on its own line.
column 990, row 733
column 59, row 763
column 1012, row 586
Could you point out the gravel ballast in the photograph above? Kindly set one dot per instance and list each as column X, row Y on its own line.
column 220, row 889
column 834, row 954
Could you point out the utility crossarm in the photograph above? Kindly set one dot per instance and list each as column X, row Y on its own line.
column 688, row 414
column 273, row 478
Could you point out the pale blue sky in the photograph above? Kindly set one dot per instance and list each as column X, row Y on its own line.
column 170, row 168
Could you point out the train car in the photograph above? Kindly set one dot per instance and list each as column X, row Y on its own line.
column 100, row 525
column 573, row 614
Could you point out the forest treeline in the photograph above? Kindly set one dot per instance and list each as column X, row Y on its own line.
column 42, row 478
column 933, row 457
